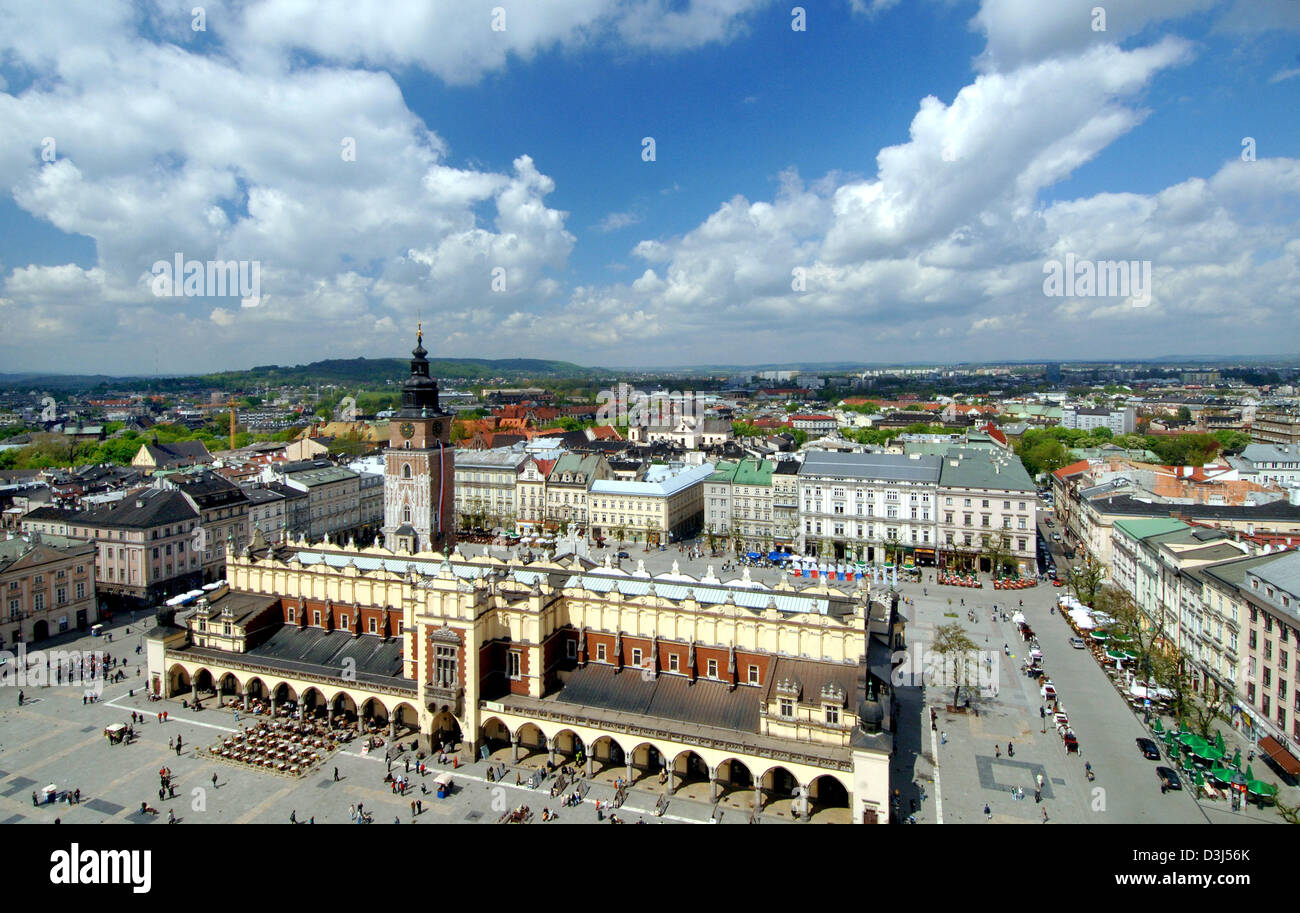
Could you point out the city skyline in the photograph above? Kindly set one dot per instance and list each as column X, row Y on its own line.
column 871, row 182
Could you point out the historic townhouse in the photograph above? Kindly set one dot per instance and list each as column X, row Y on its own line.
column 987, row 503
column 862, row 505
column 48, row 586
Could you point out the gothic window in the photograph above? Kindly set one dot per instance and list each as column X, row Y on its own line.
column 406, row 514
column 406, row 470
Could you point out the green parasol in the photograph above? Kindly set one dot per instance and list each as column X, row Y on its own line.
column 1156, row 727
column 1221, row 773
column 1218, row 742
column 1236, row 759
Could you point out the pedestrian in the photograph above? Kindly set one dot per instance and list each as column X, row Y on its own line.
column 1038, row 795
column 943, row 737
column 214, row 780
column 412, row 808
column 336, row 775
column 1011, row 752
column 293, row 816
column 1044, row 816
column 997, row 751
column 34, row 800
column 171, row 743
column 988, row 812
column 178, row 751
column 419, row 806
column 352, row 813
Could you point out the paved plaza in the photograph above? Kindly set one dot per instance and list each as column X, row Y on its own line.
column 55, row 739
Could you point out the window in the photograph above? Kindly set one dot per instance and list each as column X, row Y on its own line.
column 38, row 602
column 787, row 708
column 374, row 626
column 406, row 470
column 600, row 652
column 292, row 613
column 81, row 591
column 444, row 665
column 571, row 649
column 753, row 675
column 512, row 664
column 315, row 617
column 61, row 595
column 636, row 658
column 832, row 714
column 712, row 669
column 674, row 662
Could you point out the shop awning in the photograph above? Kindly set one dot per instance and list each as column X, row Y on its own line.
column 1281, row 757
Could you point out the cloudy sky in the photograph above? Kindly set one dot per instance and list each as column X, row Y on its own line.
column 886, row 183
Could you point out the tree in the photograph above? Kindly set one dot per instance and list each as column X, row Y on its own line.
column 1086, row 579
column 956, row 652
column 998, row 550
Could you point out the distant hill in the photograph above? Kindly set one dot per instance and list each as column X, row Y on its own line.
column 347, row 371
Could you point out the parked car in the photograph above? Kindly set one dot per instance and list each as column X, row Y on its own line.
column 1056, row 537
column 1148, row 749
column 624, row 555
column 1170, row 776
column 1077, row 643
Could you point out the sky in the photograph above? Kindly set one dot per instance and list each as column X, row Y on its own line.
column 646, row 183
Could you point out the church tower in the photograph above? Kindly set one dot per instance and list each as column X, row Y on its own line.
column 418, row 466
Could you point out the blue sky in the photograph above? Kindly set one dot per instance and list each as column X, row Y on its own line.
column 778, row 153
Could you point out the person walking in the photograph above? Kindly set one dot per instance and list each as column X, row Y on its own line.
column 352, row 813
column 997, row 751
column 214, row 780
column 1044, row 816
column 988, row 812
column 293, row 816
column 336, row 775
column 943, row 737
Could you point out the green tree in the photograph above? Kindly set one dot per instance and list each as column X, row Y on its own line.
column 959, row 654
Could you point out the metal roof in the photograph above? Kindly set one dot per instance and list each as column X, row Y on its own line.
column 883, row 466
column 754, row 599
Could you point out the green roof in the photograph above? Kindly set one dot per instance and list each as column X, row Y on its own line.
column 973, row 467
column 726, row 472
column 1140, row 528
column 754, row 472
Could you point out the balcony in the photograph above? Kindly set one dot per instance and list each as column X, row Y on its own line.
column 450, row 696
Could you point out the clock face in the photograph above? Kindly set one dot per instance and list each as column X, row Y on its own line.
column 407, row 429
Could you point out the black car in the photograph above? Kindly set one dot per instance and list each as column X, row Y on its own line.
column 1148, row 749
column 624, row 555
column 1169, row 777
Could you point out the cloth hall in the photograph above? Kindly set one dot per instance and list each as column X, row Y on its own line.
column 779, row 691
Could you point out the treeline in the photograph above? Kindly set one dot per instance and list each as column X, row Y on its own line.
column 1047, row 449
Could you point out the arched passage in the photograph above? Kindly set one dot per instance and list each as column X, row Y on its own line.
column 406, row 718
column 445, row 730
column 568, row 743
column 178, row 680
column 829, row 800
column 227, row 687
column 647, row 762
column 688, row 768
column 531, row 740
column 777, row 789
column 496, row 735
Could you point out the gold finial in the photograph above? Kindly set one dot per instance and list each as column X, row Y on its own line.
column 419, row 331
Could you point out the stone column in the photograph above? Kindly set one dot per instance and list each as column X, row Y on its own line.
column 514, row 748
column 758, row 796
column 392, row 730
column 805, row 798
column 713, row 784
column 629, row 771
column 329, row 715
column 550, row 747
column 194, row 692
column 590, row 766
column 245, row 701
column 272, row 708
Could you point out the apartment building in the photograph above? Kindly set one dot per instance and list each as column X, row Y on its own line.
column 530, row 492
column 568, row 485
column 857, row 505
column 986, row 500
column 485, row 486
column 48, row 587
column 667, row 505
column 1120, row 421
